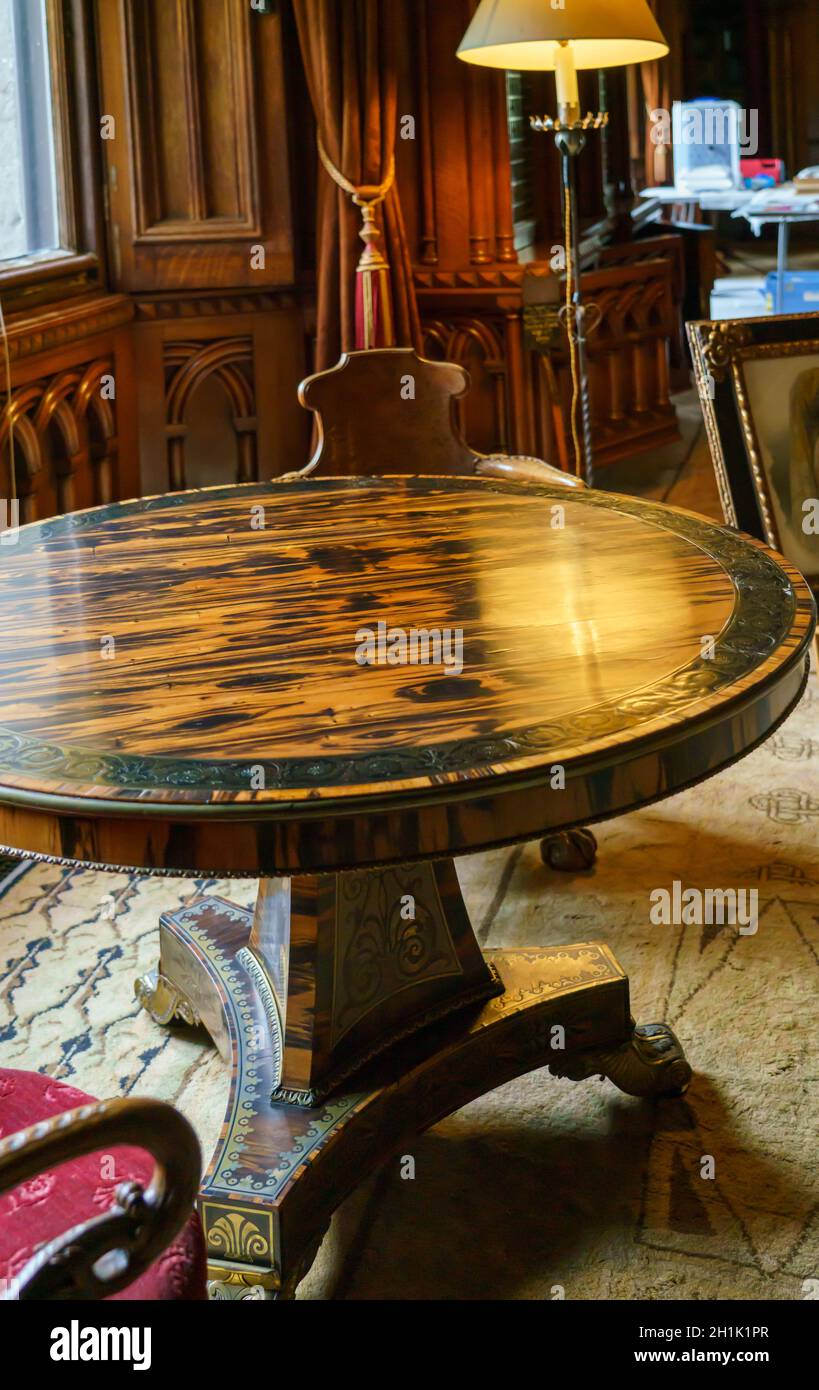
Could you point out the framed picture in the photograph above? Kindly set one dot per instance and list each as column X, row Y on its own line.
column 758, row 381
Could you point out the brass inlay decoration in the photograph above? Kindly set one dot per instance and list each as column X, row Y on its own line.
column 258, row 974
column 380, row 952
column 238, row 1233
column 237, row 1285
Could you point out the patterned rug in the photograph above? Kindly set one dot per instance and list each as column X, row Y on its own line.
column 544, row 1186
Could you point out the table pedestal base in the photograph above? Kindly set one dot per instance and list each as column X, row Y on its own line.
column 349, row 964
column 279, row 1171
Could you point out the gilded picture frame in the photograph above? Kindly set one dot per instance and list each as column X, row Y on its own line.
column 729, row 359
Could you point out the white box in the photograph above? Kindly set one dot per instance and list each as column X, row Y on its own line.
column 706, row 135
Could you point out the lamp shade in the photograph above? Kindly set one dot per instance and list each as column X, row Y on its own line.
column 522, row 35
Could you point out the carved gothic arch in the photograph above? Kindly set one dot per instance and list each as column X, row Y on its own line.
column 194, row 364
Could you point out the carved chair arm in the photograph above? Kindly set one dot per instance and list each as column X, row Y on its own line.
column 519, row 468
column 298, row 474
column 106, row 1254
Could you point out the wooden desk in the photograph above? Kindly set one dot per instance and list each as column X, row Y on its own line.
column 180, row 692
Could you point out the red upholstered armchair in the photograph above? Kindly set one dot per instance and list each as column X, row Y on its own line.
column 84, row 1212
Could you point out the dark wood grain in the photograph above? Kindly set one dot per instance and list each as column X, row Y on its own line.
column 235, row 650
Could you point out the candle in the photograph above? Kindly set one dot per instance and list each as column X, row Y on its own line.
column 568, row 95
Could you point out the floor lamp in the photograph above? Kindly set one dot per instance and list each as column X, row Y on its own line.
column 562, row 36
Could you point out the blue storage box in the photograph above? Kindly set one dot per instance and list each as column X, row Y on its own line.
column 801, row 294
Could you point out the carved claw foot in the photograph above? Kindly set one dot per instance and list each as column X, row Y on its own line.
column 650, row 1063
column 571, row 851
column 233, row 1283
column 239, row 1286
column 164, row 1001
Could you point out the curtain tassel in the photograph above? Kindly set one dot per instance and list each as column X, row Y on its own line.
column 373, row 301
column 374, row 324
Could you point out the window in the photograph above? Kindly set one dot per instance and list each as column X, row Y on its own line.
column 520, row 147
column 29, row 209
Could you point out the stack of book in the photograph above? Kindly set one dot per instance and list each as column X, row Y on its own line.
column 807, row 181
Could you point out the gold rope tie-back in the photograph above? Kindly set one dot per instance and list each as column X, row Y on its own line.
column 367, row 197
column 362, row 193
column 373, row 265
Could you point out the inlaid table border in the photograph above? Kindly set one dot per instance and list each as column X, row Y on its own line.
column 144, row 841
column 72, row 778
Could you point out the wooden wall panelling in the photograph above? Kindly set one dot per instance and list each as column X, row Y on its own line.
column 457, row 199
column 198, row 171
column 443, row 139
column 455, row 184
column 202, row 234
column 475, row 318
column 427, row 235
column 453, row 178
column 628, row 354
column 477, row 344
column 218, row 381
column 661, row 246
column 73, row 407
column 551, row 427
column 511, row 406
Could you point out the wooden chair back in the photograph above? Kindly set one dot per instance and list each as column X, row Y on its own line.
column 388, row 411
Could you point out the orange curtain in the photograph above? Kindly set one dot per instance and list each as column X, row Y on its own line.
column 365, row 296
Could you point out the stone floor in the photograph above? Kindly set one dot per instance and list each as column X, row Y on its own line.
column 680, row 473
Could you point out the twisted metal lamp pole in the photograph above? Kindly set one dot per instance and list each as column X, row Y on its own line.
column 550, row 35
column 570, row 137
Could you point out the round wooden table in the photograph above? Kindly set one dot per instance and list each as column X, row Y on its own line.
column 337, row 685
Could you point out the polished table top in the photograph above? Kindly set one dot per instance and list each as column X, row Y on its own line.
column 179, row 686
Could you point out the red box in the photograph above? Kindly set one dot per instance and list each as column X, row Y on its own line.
column 763, row 168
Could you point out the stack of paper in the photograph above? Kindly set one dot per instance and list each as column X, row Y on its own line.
column 784, row 201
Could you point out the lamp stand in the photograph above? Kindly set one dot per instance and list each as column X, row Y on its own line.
column 570, row 138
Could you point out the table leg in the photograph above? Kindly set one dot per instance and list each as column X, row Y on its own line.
column 280, row 1170
column 781, row 265
column 571, row 851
